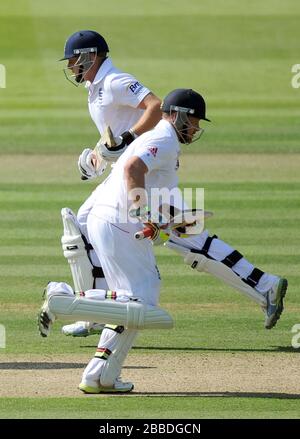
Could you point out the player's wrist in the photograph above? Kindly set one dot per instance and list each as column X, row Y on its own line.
column 133, row 133
column 129, row 136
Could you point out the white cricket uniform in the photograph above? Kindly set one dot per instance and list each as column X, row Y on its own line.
column 128, row 263
column 113, row 100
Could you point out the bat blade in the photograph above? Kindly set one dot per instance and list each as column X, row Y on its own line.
column 108, row 138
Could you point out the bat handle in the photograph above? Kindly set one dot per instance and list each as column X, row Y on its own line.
column 83, row 177
column 147, row 232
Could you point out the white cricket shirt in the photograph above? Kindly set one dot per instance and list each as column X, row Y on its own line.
column 113, row 99
column 159, row 149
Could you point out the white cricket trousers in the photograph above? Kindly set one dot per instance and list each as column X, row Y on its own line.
column 82, row 216
column 128, row 264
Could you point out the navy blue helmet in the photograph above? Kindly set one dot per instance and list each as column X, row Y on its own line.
column 84, row 41
column 187, row 100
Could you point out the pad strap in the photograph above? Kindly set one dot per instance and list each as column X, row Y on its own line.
column 102, row 353
column 254, row 277
column 204, row 250
column 118, row 329
column 232, row 259
column 207, row 244
column 97, row 272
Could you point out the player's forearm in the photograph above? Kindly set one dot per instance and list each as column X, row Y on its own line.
column 150, row 117
column 134, row 181
column 134, row 173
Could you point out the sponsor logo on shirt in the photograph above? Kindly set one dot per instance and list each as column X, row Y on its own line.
column 153, row 150
column 135, row 87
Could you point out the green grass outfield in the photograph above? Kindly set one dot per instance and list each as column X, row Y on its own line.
column 239, row 54
column 125, row 407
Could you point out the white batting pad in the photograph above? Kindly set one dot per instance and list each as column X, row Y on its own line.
column 132, row 315
column 75, row 252
column 219, row 270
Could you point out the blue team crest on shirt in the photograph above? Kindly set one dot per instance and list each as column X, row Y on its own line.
column 135, row 87
column 100, row 94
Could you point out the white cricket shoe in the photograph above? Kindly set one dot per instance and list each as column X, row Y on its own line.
column 82, row 329
column 45, row 317
column 118, row 387
column 275, row 302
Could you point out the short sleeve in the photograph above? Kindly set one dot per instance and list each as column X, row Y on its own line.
column 126, row 90
column 154, row 156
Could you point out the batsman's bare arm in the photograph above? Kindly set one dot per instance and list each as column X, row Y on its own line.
column 134, row 173
column 151, row 116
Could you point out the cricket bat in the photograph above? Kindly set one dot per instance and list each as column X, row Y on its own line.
column 185, row 218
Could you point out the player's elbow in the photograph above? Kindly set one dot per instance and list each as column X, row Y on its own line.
column 151, row 104
column 155, row 109
column 155, row 102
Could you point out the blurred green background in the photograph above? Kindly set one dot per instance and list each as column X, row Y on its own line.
column 239, row 54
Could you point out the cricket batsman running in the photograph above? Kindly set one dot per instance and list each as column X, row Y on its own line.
column 118, row 101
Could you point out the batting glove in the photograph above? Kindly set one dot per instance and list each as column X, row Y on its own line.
column 86, row 167
column 112, row 153
column 155, row 229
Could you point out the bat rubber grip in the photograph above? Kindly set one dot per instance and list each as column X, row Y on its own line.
column 147, row 232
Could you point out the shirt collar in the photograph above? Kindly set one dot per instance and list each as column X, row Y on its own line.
column 169, row 127
column 105, row 67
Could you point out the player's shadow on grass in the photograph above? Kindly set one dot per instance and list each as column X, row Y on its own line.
column 29, row 365
column 270, row 395
column 272, row 349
